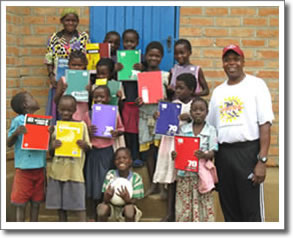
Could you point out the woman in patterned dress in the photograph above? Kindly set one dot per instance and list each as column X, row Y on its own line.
column 59, row 46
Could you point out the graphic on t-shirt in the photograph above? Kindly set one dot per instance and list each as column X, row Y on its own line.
column 231, row 109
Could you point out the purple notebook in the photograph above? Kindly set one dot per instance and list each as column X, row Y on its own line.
column 168, row 122
column 104, row 118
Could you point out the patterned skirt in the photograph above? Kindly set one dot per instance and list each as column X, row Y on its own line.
column 191, row 206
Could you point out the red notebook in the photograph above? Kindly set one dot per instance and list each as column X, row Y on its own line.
column 37, row 136
column 150, row 86
column 185, row 147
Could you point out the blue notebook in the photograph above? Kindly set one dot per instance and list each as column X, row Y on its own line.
column 104, row 118
column 168, row 122
column 62, row 65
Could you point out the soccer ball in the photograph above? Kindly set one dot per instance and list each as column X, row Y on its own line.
column 119, row 183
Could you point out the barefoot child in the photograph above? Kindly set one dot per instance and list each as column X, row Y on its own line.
column 66, row 186
column 129, row 110
column 100, row 158
column 193, row 202
column 147, row 136
column 165, row 172
column 30, row 165
column 129, row 212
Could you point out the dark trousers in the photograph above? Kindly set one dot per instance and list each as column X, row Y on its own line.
column 240, row 199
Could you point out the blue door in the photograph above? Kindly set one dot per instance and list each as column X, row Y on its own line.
column 151, row 23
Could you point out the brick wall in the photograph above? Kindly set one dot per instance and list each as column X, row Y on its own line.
column 209, row 29
column 28, row 30
column 254, row 29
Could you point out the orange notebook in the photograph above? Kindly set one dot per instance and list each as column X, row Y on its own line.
column 37, row 136
column 150, row 86
column 185, row 148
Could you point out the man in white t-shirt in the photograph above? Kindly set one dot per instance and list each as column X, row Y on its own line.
column 241, row 110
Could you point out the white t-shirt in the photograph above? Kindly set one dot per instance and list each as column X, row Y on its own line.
column 236, row 111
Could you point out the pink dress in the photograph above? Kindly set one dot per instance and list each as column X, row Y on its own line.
column 165, row 171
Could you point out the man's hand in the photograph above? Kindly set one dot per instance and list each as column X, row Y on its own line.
column 259, row 173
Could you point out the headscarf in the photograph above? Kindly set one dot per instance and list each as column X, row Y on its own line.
column 67, row 11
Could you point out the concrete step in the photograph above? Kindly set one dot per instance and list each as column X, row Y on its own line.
column 153, row 207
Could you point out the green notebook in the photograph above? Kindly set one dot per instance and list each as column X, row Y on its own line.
column 128, row 58
column 77, row 80
column 114, row 87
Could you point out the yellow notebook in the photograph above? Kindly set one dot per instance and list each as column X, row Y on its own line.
column 69, row 133
column 101, row 82
column 93, row 55
column 96, row 51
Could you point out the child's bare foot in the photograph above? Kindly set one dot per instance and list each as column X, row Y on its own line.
column 154, row 189
column 163, row 193
column 168, row 218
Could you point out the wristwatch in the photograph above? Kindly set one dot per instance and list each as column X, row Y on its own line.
column 262, row 159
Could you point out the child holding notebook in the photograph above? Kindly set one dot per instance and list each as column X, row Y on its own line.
column 194, row 198
column 66, row 185
column 30, row 165
column 100, row 158
column 77, row 61
column 129, row 110
column 147, row 136
column 165, row 172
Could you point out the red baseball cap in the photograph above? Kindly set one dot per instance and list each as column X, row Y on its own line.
column 234, row 48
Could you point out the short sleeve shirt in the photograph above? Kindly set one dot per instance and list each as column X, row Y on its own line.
column 69, row 168
column 208, row 140
column 133, row 177
column 58, row 47
column 25, row 159
column 237, row 111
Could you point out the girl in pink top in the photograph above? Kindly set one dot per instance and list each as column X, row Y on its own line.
column 77, row 61
column 182, row 53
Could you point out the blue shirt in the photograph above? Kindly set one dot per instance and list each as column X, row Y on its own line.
column 25, row 159
column 208, row 140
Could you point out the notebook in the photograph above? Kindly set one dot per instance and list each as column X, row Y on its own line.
column 77, row 80
column 168, row 121
column 114, row 87
column 104, row 118
column 128, row 58
column 69, row 132
column 62, row 65
column 185, row 148
column 37, row 136
column 96, row 51
column 150, row 86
